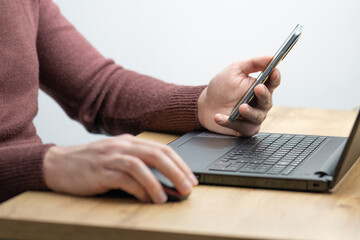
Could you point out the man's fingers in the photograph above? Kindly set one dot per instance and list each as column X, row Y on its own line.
column 239, row 128
column 254, row 64
column 274, row 80
column 120, row 180
column 227, row 127
column 254, row 115
column 172, row 155
column 154, row 157
column 137, row 170
column 264, row 99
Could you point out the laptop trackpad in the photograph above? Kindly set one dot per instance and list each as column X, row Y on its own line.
column 209, row 141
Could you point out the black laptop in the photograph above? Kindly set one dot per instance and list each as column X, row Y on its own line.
column 269, row 160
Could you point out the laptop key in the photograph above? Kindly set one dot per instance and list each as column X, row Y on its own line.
column 284, row 162
column 276, row 169
column 226, row 159
column 220, row 165
column 288, row 170
column 262, row 168
column 234, row 167
column 217, row 168
column 295, row 162
column 249, row 168
column 271, row 161
column 256, row 161
column 243, row 160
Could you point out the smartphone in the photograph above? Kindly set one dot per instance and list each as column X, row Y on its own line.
column 249, row 96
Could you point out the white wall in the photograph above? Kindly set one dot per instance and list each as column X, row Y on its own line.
column 189, row 41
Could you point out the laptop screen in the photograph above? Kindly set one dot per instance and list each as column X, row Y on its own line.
column 350, row 154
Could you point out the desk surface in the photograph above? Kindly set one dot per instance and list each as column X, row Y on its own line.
column 211, row 212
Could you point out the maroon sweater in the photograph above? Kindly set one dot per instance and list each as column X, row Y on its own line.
column 40, row 48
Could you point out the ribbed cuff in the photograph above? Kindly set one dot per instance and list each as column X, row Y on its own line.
column 182, row 110
column 21, row 169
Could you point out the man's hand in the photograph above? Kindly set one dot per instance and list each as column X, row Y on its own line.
column 225, row 89
column 116, row 163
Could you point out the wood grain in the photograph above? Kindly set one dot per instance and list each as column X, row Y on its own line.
column 211, row 212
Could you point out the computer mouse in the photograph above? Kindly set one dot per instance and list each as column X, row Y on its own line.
column 172, row 193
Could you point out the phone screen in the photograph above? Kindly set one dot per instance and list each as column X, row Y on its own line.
column 249, row 95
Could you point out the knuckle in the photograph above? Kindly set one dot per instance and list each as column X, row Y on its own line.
column 265, row 96
column 112, row 145
column 130, row 163
column 126, row 136
column 166, row 149
column 266, row 100
column 155, row 153
column 260, row 117
column 274, row 84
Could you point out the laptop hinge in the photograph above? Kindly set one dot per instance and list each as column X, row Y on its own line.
column 324, row 176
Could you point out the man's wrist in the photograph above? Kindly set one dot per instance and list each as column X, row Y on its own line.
column 201, row 107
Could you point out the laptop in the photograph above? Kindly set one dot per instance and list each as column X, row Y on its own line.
column 269, row 160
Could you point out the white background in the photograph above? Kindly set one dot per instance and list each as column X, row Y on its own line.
column 187, row 42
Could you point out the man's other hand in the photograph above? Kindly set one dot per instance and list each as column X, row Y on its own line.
column 226, row 88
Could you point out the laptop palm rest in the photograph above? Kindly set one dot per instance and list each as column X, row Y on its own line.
column 329, row 165
column 208, row 143
column 202, row 149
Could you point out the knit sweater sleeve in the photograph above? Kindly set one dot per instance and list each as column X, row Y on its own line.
column 21, row 169
column 102, row 95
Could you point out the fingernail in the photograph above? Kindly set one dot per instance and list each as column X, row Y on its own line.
column 161, row 197
column 264, row 91
column 193, row 179
column 186, row 187
column 219, row 118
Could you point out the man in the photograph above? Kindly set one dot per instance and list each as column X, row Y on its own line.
column 39, row 48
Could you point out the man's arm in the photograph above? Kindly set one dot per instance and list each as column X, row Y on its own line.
column 101, row 94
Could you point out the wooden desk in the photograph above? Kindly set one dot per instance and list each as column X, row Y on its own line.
column 211, row 212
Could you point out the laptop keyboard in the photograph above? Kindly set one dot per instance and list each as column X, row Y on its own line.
column 276, row 154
